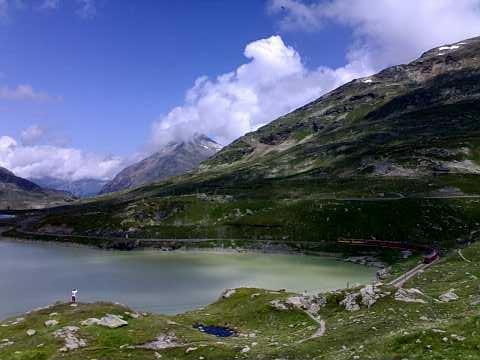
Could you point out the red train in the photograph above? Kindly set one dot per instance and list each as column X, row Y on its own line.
column 430, row 254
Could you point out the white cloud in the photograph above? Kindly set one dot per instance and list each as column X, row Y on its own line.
column 87, row 8
column 3, row 9
column 386, row 32
column 50, row 4
column 272, row 83
column 275, row 81
column 295, row 15
column 25, row 92
column 33, row 161
column 32, row 135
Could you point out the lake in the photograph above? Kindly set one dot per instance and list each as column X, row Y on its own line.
column 35, row 274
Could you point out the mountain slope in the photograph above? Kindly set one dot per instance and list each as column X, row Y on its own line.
column 80, row 188
column 407, row 120
column 175, row 159
column 394, row 156
column 19, row 193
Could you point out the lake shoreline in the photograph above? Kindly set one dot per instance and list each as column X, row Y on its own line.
column 152, row 280
column 369, row 261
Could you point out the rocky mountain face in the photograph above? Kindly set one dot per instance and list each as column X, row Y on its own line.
column 19, row 193
column 80, row 188
column 174, row 159
column 405, row 121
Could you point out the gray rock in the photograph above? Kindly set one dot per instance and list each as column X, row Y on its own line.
column 31, row 332
column 228, row 293
column 50, row 323
column 112, row 321
column 5, row 343
column 163, row 341
column 133, row 315
column 245, row 350
column 409, row 295
column 72, row 342
column 350, row 302
column 474, row 300
column 278, row 304
column 109, row 320
column 448, row 296
column 458, row 337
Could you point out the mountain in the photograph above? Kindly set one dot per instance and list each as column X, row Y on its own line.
column 19, row 193
column 80, row 188
column 393, row 156
column 406, row 121
column 174, row 159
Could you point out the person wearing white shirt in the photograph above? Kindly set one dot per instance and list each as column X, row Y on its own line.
column 74, row 295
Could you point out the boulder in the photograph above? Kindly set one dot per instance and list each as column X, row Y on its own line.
column 163, row 341
column 228, row 292
column 50, row 323
column 409, row 295
column 5, row 343
column 245, row 350
column 448, row 296
column 350, row 302
column 458, row 337
column 89, row 321
column 310, row 303
column 109, row 320
column 112, row 321
column 133, row 315
column 31, row 332
column 278, row 304
column 371, row 293
column 474, row 300
column 72, row 342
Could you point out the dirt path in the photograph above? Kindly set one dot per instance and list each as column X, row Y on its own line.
column 321, row 328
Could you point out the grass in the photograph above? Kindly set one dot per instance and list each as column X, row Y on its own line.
column 309, row 214
column 388, row 330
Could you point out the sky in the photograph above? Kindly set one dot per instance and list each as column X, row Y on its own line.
column 89, row 86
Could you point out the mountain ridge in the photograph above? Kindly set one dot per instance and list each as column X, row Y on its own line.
column 174, row 159
column 321, row 126
column 20, row 193
column 81, row 188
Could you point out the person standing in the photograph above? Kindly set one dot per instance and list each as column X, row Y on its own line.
column 74, row 295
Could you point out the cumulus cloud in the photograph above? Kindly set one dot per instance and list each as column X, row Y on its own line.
column 385, row 32
column 36, row 161
column 26, row 92
column 274, row 82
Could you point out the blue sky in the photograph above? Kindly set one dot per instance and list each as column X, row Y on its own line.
column 88, row 85
column 120, row 70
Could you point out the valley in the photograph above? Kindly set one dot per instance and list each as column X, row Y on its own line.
column 393, row 156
